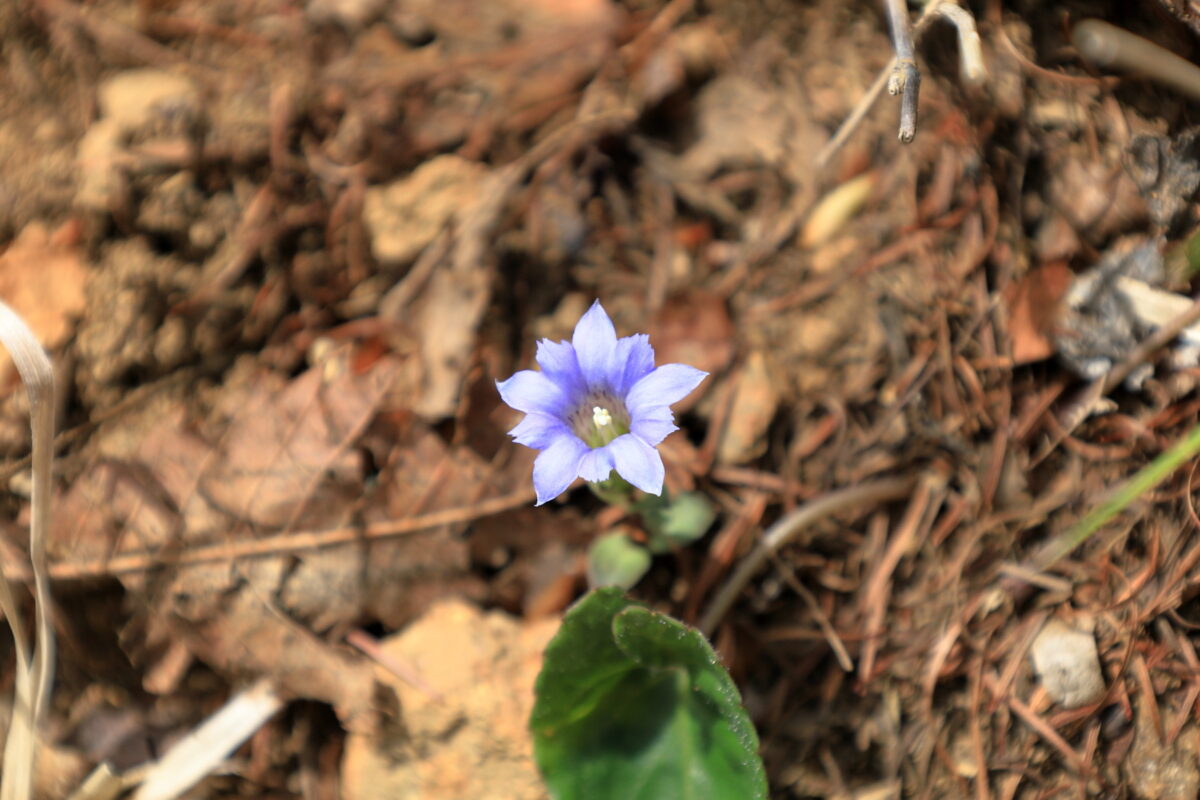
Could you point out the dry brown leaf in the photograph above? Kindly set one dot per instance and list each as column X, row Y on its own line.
column 42, row 278
column 755, row 398
column 1033, row 305
column 693, row 328
column 287, row 455
column 290, row 458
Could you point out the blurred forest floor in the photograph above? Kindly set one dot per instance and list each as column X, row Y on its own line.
column 281, row 251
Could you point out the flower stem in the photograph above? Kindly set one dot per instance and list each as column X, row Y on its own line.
column 615, row 491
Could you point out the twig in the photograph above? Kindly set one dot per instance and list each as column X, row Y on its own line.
column 1109, row 46
column 1039, row 725
column 818, row 614
column 372, row 650
column 905, row 79
column 873, row 601
column 970, row 65
column 788, row 528
column 297, row 541
column 970, row 49
column 201, row 752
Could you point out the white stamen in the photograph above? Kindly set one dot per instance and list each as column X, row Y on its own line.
column 601, row 416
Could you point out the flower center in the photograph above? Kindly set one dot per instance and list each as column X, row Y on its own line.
column 599, row 419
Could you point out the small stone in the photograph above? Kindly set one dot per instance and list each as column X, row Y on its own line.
column 1067, row 664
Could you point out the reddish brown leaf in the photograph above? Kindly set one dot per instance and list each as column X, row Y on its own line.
column 1033, row 305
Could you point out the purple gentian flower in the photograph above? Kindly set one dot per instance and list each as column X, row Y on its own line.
column 597, row 405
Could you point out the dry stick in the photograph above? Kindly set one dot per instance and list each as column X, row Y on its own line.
column 1109, row 46
column 905, row 78
column 1040, row 726
column 202, row 750
column 970, row 63
column 288, row 542
column 38, row 375
column 970, row 48
column 788, row 528
column 371, row 648
column 819, row 615
column 877, row 587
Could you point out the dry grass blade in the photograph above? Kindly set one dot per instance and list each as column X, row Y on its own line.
column 35, row 671
column 203, row 750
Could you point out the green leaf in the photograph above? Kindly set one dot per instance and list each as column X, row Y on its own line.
column 634, row 705
column 676, row 521
column 614, row 560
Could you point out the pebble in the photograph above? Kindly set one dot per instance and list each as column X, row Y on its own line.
column 1067, row 664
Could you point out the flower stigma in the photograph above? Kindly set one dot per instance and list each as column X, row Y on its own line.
column 599, row 419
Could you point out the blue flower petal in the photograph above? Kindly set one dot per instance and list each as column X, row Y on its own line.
column 638, row 463
column 595, row 343
column 668, row 384
column 634, row 360
column 539, row 431
column 531, row 392
column 556, row 467
column 559, row 364
column 597, row 465
column 653, row 425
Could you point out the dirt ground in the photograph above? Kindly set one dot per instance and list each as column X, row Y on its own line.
column 280, row 252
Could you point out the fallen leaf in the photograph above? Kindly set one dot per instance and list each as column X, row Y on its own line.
column 836, row 208
column 755, row 399
column 693, row 328
column 1033, row 305
column 287, row 464
column 288, row 454
column 42, row 278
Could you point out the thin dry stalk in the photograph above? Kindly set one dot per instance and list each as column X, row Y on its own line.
column 1040, row 727
column 874, row 598
column 791, row 526
column 200, row 752
column 905, row 65
column 1141, row 673
column 818, row 614
column 35, row 671
column 294, row 542
column 905, row 78
column 1184, row 646
column 975, row 682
